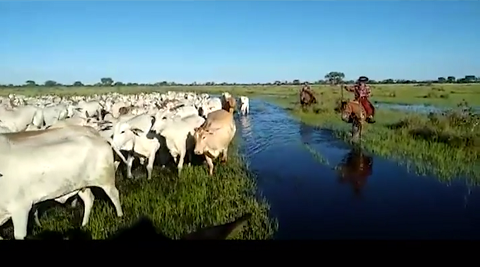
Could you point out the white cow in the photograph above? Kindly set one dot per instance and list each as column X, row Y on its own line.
column 178, row 133
column 18, row 119
column 55, row 113
column 59, row 167
column 211, row 105
column 131, row 136
column 244, row 105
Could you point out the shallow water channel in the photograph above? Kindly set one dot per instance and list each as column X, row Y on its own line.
column 299, row 171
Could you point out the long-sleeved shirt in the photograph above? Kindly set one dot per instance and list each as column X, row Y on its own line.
column 360, row 90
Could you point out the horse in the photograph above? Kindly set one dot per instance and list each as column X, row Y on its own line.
column 353, row 112
column 307, row 99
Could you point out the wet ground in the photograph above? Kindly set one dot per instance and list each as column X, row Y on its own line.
column 319, row 187
column 418, row 108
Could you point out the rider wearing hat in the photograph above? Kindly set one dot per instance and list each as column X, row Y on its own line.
column 362, row 92
column 306, row 87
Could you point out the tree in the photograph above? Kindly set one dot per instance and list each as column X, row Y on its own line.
column 50, row 83
column 118, row 84
column 30, row 83
column 106, row 81
column 451, row 79
column 296, row 82
column 78, row 83
column 470, row 78
column 441, row 79
column 335, row 77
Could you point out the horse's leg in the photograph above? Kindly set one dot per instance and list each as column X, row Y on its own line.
column 355, row 132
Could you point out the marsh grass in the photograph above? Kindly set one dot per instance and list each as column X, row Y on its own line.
column 316, row 155
column 176, row 205
column 446, row 145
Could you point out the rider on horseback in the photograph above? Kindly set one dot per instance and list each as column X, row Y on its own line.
column 307, row 88
column 307, row 96
column 362, row 92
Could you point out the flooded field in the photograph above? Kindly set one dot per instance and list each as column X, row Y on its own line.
column 417, row 108
column 320, row 187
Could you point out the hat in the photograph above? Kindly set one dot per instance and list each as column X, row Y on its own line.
column 363, row 79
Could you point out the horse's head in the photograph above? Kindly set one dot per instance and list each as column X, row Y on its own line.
column 352, row 111
column 346, row 110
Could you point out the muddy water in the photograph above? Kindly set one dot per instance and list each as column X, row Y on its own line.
column 299, row 170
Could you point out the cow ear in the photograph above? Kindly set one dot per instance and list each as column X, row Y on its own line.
column 219, row 232
column 137, row 131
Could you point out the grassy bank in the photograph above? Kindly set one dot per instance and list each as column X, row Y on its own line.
column 177, row 205
column 448, row 146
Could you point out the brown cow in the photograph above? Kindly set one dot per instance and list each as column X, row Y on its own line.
column 214, row 136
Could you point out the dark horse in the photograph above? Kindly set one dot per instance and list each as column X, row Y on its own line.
column 355, row 169
column 307, row 98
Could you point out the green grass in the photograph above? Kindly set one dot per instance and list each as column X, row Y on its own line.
column 177, row 205
column 443, row 145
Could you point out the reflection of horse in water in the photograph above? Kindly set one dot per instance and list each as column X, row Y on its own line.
column 306, row 133
column 355, row 169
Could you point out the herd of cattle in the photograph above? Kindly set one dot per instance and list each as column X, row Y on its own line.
column 54, row 148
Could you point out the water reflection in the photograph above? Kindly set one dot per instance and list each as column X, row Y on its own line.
column 245, row 122
column 355, row 169
column 306, row 133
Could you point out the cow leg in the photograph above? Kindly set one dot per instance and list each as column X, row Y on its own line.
column 3, row 219
column 225, row 155
column 112, row 193
column 36, row 219
column 74, row 202
column 129, row 166
column 20, row 222
column 151, row 161
column 116, row 163
column 181, row 160
column 88, row 198
column 210, row 165
column 190, row 157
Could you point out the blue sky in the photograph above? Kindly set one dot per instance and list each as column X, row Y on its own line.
column 231, row 41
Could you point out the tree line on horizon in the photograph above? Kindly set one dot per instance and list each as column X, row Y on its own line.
column 332, row 78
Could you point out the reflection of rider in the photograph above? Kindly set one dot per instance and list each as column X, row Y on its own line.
column 306, row 133
column 355, row 169
column 362, row 92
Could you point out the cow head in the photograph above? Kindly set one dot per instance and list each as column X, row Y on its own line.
column 201, row 136
column 123, row 133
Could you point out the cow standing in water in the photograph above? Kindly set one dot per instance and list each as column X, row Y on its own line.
column 307, row 96
column 362, row 92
